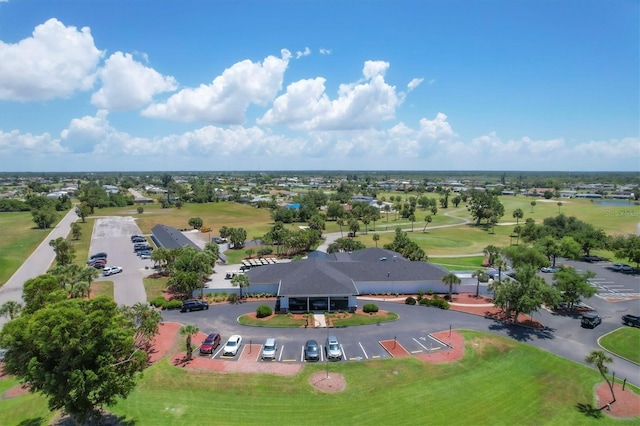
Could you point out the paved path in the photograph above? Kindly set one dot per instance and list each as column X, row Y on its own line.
column 37, row 263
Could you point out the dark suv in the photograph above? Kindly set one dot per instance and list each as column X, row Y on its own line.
column 194, row 305
column 590, row 320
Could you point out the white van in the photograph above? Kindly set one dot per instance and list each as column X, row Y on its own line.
column 269, row 349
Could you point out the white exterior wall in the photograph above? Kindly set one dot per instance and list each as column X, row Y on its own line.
column 401, row 287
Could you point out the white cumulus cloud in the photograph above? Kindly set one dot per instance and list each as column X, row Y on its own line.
column 53, row 63
column 128, row 84
column 360, row 105
column 226, row 99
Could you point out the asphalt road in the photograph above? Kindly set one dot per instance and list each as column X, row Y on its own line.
column 111, row 235
column 36, row 264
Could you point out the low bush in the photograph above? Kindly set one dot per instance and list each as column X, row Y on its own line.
column 265, row 251
column 263, row 311
column 410, row 301
column 172, row 304
column 370, row 308
column 157, row 302
column 232, row 298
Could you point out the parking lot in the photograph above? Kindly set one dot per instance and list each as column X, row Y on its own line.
column 351, row 351
column 613, row 286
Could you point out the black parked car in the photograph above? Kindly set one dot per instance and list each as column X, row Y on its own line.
column 194, row 305
column 590, row 320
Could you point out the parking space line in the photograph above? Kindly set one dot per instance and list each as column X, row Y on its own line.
column 421, row 345
column 363, row 351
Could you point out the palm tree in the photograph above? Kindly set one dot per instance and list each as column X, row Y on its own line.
column 354, row 226
column 481, row 276
column 559, row 205
column 518, row 214
column 599, row 358
column 376, row 238
column 189, row 330
column 412, row 218
column 427, row 220
column 241, row 281
column 10, row 309
column 340, row 223
column 517, row 230
column 533, row 204
column 387, row 209
column 450, row 279
column 366, row 219
column 499, row 264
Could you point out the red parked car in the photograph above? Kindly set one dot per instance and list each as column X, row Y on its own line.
column 210, row 343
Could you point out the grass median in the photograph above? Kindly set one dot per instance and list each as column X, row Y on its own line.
column 624, row 342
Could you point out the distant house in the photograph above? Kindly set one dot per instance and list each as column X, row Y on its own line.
column 111, row 189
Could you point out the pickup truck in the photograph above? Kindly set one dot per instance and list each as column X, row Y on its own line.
column 632, row 320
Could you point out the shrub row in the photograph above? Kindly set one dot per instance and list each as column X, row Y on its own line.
column 160, row 302
column 436, row 301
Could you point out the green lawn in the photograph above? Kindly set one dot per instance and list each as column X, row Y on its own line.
column 499, row 380
column 274, row 321
column 624, row 342
column 19, row 239
column 154, row 287
column 459, row 263
column 102, row 288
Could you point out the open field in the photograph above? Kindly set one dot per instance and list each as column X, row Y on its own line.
column 19, row 240
column 20, row 237
column 498, row 379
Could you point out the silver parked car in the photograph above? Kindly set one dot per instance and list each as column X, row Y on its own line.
column 332, row 348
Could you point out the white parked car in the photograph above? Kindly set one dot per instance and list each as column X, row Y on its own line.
column 232, row 345
column 111, row 270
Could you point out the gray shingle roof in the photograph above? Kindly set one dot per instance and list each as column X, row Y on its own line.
column 170, row 238
column 317, row 276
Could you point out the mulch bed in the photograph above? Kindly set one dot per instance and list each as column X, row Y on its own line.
column 627, row 403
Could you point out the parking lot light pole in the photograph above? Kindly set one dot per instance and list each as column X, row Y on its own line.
column 326, row 351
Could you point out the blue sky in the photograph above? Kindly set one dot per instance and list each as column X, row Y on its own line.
column 114, row 85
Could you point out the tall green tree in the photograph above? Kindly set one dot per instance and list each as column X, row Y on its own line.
column 241, row 281
column 451, row 279
column 480, row 276
column 188, row 331
column 600, row 359
column 573, row 285
column 518, row 214
column 79, row 354
column 83, row 211
column 10, row 309
column 376, row 238
column 39, row 291
column 44, row 217
column 76, row 231
column 485, row 206
column 146, row 320
column 427, row 220
column 524, row 294
column 65, row 252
